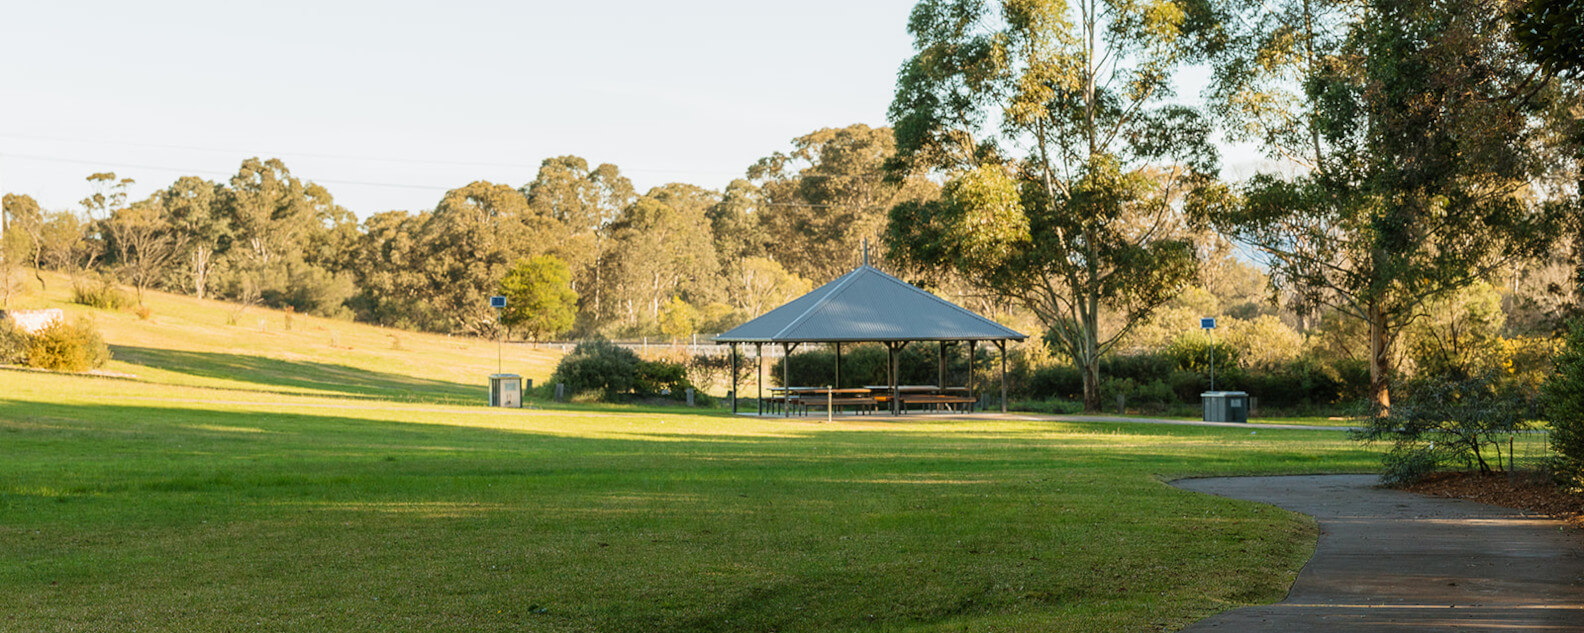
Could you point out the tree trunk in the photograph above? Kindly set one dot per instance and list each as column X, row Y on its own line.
column 1380, row 362
column 200, row 270
column 1091, row 385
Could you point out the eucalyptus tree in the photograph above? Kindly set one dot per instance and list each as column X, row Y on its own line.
column 195, row 210
column 1551, row 34
column 24, row 232
column 737, row 222
column 830, row 193
column 661, row 247
column 287, row 241
column 471, row 240
column 109, row 195
column 1418, row 134
column 585, row 201
column 388, row 260
column 1066, row 153
column 144, row 242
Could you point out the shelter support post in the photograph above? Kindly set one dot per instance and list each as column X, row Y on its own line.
column 1002, row 346
column 971, row 393
column 734, row 377
column 891, row 380
column 838, row 365
column 940, row 377
column 759, row 360
column 786, row 378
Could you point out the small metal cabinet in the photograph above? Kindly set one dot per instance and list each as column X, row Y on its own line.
column 505, row 390
column 1225, row 406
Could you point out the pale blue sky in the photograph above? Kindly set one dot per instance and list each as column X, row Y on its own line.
column 391, row 103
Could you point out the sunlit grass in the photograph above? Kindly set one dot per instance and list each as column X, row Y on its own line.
column 205, row 343
column 130, row 507
column 244, row 477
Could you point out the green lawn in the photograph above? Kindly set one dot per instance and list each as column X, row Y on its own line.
column 237, row 480
column 129, row 507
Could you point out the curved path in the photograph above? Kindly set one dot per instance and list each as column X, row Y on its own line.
column 1396, row 561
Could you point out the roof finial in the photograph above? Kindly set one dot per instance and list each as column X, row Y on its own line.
column 866, row 251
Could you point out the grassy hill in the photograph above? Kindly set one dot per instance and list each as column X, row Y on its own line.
column 214, row 344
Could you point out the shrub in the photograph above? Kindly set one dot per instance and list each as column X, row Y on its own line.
column 1055, row 406
column 614, row 373
column 1563, row 395
column 1056, row 381
column 102, row 293
column 13, row 343
column 65, row 347
column 599, row 366
column 660, row 378
column 1404, row 465
column 1443, row 421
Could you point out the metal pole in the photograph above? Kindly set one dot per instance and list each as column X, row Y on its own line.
column 1212, row 360
column 786, row 380
column 1002, row 345
column 759, row 380
column 891, row 371
column 940, row 377
column 971, row 394
column 838, row 365
column 734, row 377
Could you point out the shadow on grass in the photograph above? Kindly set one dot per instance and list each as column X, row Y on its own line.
column 299, row 375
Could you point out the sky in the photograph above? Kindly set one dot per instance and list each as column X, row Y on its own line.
column 390, row 104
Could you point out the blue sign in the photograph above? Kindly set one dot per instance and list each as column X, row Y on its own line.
column 1207, row 323
column 497, row 302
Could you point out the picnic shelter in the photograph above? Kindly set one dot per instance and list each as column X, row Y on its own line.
column 868, row 306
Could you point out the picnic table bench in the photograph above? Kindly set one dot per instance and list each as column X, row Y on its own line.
column 938, row 402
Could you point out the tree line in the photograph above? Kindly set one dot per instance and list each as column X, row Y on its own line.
column 578, row 250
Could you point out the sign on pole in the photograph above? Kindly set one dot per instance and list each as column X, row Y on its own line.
column 1207, row 323
column 497, row 301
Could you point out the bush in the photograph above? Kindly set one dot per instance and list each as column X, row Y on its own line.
column 599, row 366
column 63, row 347
column 616, row 374
column 1055, row 406
column 13, row 343
column 102, row 293
column 1404, row 465
column 1563, row 395
column 661, row 378
column 1444, row 421
column 1056, row 381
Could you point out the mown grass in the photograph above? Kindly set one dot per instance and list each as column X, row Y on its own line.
column 130, row 509
column 233, row 485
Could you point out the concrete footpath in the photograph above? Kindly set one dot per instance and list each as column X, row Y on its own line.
column 1395, row 561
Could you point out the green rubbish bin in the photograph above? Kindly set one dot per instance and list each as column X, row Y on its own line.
column 1225, row 406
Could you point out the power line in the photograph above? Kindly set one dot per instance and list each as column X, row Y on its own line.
column 100, row 163
column 354, row 157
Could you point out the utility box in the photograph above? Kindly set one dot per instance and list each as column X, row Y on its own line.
column 1225, row 406
column 506, row 390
